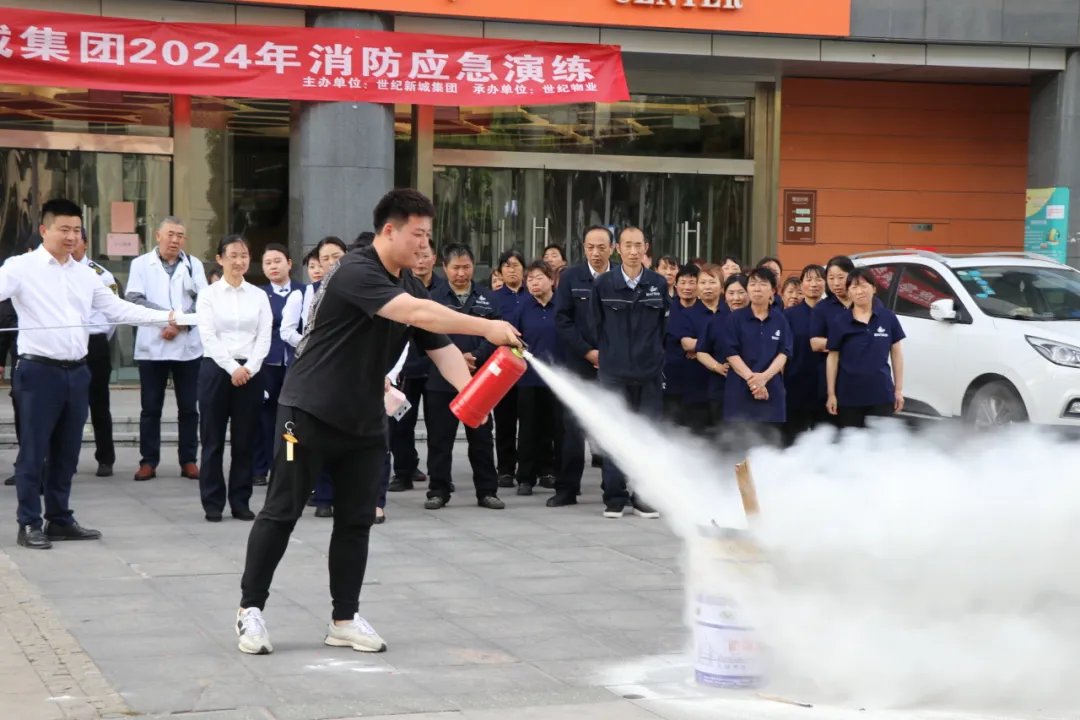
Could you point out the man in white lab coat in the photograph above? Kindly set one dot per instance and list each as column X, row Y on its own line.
column 167, row 278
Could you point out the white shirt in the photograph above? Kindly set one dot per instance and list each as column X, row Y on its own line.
column 598, row 274
column 174, row 292
column 48, row 294
column 295, row 310
column 632, row 282
column 96, row 316
column 235, row 324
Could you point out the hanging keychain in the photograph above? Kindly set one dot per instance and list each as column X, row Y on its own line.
column 290, row 441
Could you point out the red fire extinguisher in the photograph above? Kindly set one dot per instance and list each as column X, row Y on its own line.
column 488, row 386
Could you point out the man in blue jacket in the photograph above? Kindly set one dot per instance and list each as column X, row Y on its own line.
column 629, row 314
column 465, row 296
column 572, row 308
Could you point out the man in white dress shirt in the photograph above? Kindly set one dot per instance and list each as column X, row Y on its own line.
column 99, row 360
column 55, row 297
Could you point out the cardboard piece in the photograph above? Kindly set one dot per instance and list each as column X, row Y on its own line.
column 122, row 244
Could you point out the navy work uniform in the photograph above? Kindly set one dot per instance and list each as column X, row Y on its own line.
column 442, row 423
column 99, row 360
column 272, row 375
column 539, row 411
column 573, row 307
column 629, row 318
column 675, row 363
column 757, row 342
column 804, row 375
column 506, row 412
column 414, row 378
column 864, row 381
column 52, row 381
column 711, row 342
column 694, row 408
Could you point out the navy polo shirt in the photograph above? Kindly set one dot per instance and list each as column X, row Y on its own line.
column 696, row 377
column 710, row 340
column 864, row 378
column 536, row 323
column 509, row 301
column 675, row 360
column 757, row 342
column 804, row 375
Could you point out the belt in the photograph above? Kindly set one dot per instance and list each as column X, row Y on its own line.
column 62, row 364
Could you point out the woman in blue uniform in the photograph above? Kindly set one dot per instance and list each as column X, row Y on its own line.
column 675, row 357
column 510, row 297
column 836, row 275
column 861, row 345
column 539, row 411
column 757, row 345
column 710, row 350
column 805, row 373
column 691, row 325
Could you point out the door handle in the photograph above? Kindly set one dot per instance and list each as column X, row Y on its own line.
column 532, row 242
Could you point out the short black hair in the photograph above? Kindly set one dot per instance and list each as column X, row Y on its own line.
column 812, row 269
column 739, row 278
column 685, row 271
column 455, row 250
column 669, row 260
column 791, row 282
column 843, row 262
column 231, row 240
column 277, row 247
column 543, row 267
column 398, row 205
column 311, row 254
column 557, row 248
column 770, row 259
column 58, row 207
column 731, row 258
column 861, row 273
column 763, row 273
column 602, row 228
column 509, row 255
column 214, row 269
column 330, row 240
column 363, row 240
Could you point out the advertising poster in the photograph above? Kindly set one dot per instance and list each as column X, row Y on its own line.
column 1046, row 222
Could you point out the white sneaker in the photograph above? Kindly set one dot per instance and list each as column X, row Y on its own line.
column 358, row 635
column 251, row 629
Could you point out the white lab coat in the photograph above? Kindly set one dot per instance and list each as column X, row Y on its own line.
column 149, row 279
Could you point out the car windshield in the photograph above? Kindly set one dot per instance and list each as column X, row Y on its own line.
column 1024, row 293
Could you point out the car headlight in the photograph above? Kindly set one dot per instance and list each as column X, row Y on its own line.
column 1055, row 352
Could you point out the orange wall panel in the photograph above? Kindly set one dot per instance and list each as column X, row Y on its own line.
column 887, row 155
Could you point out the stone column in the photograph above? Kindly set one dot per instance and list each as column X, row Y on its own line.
column 343, row 160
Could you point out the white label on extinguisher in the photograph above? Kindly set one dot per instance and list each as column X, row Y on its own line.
column 496, row 370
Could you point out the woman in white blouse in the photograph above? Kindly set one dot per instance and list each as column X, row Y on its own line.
column 235, row 322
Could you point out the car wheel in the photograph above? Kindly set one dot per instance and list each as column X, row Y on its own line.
column 996, row 404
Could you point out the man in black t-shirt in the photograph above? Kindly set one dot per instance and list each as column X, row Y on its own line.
column 332, row 411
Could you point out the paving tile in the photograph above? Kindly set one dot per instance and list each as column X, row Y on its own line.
column 617, row 710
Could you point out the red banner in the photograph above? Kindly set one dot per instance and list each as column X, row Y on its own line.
column 84, row 51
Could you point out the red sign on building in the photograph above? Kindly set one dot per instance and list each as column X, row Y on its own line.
column 41, row 48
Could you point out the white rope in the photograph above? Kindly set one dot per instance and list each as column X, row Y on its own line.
column 91, row 326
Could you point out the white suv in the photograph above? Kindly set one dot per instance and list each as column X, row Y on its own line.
column 992, row 338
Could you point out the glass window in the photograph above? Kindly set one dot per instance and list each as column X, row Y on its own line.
column 1024, row 292
column 106, row 112
column 919, row 287
column 675, row 126
column 883, row 276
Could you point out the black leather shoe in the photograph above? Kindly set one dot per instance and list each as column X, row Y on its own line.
column 259, row 481
column 598, row 461
column 104, row 470
column 213, row 516
column 74, row 531
column 491, row 503
column 547, row 482
column 33, row 538
column 506, row 481
column 380, row 519
column 436, row 503
column 9, row 481
column 243, row 514
column 524, row 489
column 562, row 499
column 400, row 484
column 324, row 511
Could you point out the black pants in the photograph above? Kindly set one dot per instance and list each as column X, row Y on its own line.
column 673, row 409
column 855, row 417
column 153, row 378
column 646, row 398
column 506, row 421
column 697, row 417
column 442, row 430
column 219, row 403
column 355, row 465
column 540, row 445
column 271, row 378
column 403, row 431
column 99, row 358
column 568, row 481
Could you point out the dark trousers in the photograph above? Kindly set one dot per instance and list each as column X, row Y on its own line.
column 272, row 376
column 99, row 359
column 739, row 438
column 673, row 409
column 355, row 466
column 219, row 403
column 540, row 444
column 645, row 398
column 403, row 431
column 802, row 420
column 324, row 490
column 848, row 416
column 506, row 420
column 442, row 431
column 697, row 417
column 154, row 376
column 53, row 405
column 568, row 481
column 384, row 481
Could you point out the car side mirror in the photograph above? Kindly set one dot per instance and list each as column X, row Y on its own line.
column 943, row 310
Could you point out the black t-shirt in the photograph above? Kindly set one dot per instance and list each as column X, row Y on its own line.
column 342, row 360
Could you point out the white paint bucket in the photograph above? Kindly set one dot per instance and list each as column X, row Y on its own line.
column 724, row 564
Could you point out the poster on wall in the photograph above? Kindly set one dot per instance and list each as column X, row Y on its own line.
column 1046, row 223
column 800, row 217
